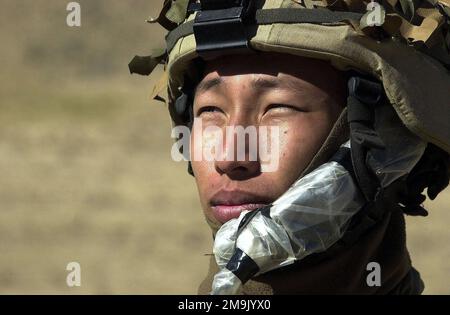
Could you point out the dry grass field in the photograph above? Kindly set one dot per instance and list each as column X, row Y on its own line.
column 86, row 172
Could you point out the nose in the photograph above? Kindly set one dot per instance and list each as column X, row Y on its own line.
column 238, row 170
column 234, row 165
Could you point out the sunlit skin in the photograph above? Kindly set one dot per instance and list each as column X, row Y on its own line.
column 302, row 96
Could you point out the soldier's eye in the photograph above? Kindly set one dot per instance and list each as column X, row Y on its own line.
column 208, row 109
column 282, row 108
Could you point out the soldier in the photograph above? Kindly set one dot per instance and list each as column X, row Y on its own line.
column 353, row 88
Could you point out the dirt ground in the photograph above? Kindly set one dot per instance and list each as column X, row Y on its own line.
column 86, row 172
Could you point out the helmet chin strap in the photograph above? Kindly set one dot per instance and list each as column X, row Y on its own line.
column 338, row 135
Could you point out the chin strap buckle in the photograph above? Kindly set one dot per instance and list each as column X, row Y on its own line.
column 364, row 95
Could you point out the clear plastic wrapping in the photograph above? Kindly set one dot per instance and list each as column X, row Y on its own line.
column 226, row 283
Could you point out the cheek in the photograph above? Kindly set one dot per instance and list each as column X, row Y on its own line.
column 300, row 139
column 204, row 176
column 208, row 182
column 204, row 170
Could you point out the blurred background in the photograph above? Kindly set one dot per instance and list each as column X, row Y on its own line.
column 85, row 168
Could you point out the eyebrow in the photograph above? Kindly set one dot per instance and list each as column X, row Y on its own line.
column 206, row 85
column 258, row 83
column 265, row 83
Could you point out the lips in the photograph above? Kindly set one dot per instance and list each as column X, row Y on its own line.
column 227, row 205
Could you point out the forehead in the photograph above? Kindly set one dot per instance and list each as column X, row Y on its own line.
column 263, row 62
column 271, row 70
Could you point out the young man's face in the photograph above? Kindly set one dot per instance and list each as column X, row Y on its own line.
column 299, row 97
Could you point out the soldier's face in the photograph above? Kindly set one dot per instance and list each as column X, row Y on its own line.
column 297, row 101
